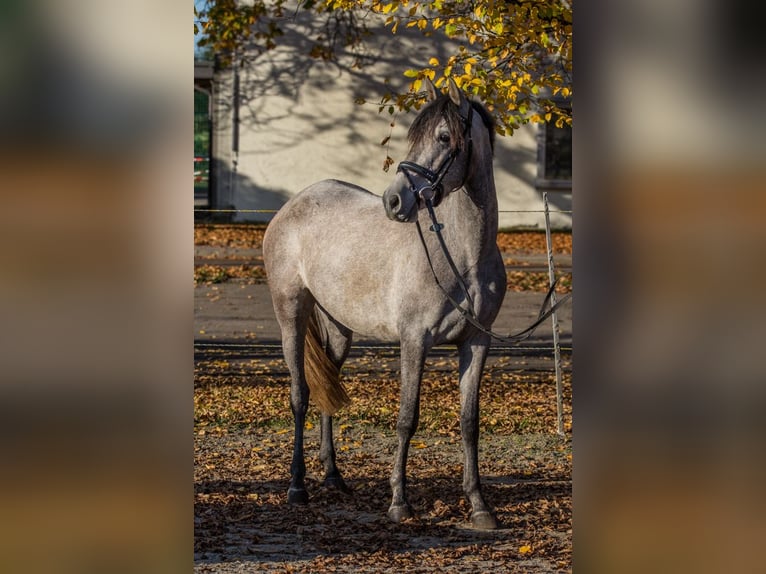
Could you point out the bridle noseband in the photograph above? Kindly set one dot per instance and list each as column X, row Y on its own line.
column 432, row 189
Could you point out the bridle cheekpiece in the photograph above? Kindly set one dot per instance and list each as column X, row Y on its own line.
column 432, row 190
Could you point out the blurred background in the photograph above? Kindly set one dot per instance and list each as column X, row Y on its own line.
column 95, row 290
column 669, row 263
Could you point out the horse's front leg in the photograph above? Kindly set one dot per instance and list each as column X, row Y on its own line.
column 473, row 354
column 412, row 358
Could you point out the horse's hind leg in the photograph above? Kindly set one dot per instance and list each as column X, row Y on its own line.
column 292, row 310
column 333, row 478
column 338, row 344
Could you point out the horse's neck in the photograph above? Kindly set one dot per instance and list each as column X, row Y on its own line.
column 472, row 217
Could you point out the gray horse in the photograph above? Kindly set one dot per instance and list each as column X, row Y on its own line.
column 340, row 261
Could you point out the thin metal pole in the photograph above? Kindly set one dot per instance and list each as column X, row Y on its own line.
column 234, row 130
column 555, row 322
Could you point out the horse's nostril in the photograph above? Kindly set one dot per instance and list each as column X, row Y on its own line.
column 393, row 202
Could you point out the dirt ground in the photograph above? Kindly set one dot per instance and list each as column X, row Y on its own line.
column 243, row 443
column 242, row 456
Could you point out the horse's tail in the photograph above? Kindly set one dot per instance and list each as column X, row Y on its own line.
column 322, row 374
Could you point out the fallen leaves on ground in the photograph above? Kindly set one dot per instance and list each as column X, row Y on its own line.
column 247, row 235
column 251, row 236
column 538, row 282
column 534, row 242
column 243, row 446
column 209, row 274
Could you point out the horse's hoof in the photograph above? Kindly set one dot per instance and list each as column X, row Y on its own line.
column 399, row 513
column 297, row 496
column 337, row 483
column 483, row 521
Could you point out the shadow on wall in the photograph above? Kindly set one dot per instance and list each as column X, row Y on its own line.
column 516, row 175
column 518, row 162
column 286, row 71
column 298, row 124
column 249, row 196
column 560, row 200
column 297, row 116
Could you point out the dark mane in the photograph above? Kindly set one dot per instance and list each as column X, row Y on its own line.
column 442, row 107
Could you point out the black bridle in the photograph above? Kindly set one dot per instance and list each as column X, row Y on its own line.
column 432, row 189
column 431, row 193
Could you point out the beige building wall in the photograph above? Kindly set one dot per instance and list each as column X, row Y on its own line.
column 299, row 123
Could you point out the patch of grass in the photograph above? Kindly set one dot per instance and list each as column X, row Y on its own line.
column 210, row 274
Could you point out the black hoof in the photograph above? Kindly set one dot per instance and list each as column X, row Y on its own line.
column 399, row 513
column 483, row 521
column 337, row 483
column 297, row 496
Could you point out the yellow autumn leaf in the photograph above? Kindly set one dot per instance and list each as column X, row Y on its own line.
column 526, row 549
column 433, row 62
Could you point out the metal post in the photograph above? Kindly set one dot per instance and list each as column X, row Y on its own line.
column 234, row 131
column 555, row 321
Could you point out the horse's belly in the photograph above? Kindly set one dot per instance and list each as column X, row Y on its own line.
column 360, row 301
column 367, row 321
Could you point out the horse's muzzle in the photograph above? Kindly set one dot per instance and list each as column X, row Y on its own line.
column 398, row 206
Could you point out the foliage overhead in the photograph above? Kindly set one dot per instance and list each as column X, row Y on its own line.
column 515, row 56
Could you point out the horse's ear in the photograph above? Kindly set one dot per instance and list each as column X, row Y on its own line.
column 457, row 96
column 431, row 92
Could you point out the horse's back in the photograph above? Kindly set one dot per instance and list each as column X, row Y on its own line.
column 321, row 206
column 323, row 196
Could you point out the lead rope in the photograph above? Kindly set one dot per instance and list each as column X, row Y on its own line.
column 469, row 313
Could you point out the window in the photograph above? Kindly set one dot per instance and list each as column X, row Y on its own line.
column 201, row 148
column 554, row 157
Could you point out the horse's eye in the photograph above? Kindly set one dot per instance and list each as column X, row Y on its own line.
column 444, row 137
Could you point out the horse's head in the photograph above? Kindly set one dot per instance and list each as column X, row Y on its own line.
column 439, row 157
